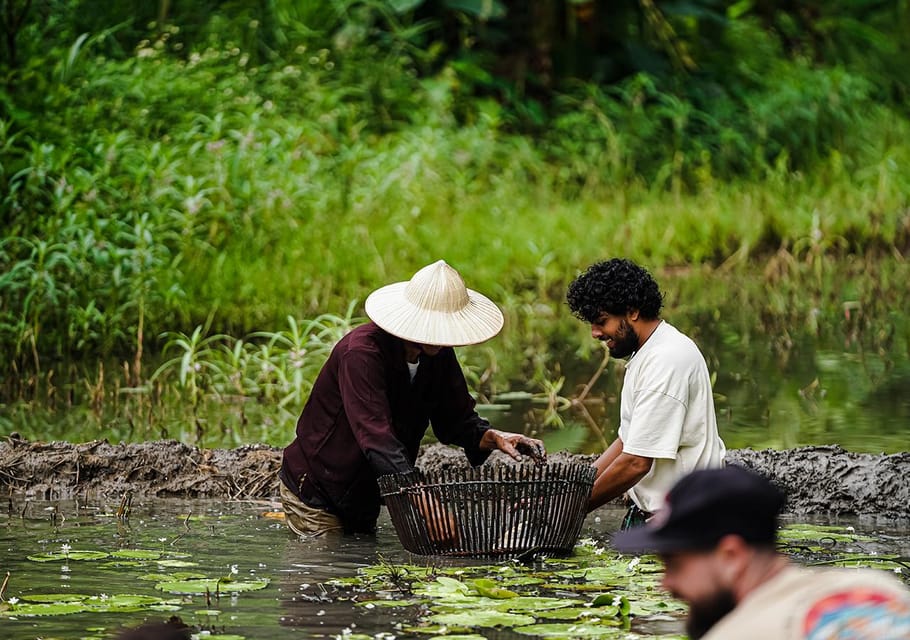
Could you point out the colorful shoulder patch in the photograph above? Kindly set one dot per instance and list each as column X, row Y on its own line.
column 862, row 613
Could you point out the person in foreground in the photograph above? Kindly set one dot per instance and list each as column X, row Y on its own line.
column 667, row 424
column 384, row 383
column 717, row 536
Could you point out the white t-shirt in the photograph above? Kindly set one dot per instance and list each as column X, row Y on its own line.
column 667, row 413
column 801, row 603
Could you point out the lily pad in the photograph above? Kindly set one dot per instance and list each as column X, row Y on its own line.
column 536, row 603
column 137, row 554
column 72, row 554
column 46, row 609
column 122, row 603
column 482, row 619
column 55, row 597
column 579, row 613
column 211, row 585
column 572, row 630
column 172, row 577
column 176, row 563
column 490, row 589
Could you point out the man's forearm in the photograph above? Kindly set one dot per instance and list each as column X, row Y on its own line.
column 621, row 475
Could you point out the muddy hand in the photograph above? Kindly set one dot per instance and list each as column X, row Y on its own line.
column 532, row 447
column 517, row 445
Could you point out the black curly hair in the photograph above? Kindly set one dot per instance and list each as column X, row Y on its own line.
column 614, row 286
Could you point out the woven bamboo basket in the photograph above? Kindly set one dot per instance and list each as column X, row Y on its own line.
column 490, row 511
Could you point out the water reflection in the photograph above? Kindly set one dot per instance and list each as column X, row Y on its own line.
column 213, row 538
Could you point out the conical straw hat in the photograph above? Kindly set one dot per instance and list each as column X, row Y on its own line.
column 435, row 308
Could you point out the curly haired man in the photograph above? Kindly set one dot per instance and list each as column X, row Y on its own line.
column 667, row 425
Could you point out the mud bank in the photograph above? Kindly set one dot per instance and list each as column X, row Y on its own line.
column 818, row 480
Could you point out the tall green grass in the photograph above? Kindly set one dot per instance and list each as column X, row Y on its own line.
column 167, row 208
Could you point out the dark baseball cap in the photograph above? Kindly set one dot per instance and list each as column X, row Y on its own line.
column 704, row 506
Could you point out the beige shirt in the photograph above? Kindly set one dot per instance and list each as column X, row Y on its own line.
column 667, row 413
column 821, row 604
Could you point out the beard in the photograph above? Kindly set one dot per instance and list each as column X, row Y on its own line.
column 625, row 343
column 705, row 613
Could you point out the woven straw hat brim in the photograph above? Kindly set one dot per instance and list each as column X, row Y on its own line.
column 476, row 322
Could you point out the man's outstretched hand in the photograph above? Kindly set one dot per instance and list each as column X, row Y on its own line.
column 514, row 444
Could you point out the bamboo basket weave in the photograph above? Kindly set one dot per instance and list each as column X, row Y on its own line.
column 496, row 511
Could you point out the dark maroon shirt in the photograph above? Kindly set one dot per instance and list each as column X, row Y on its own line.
column 366, row 418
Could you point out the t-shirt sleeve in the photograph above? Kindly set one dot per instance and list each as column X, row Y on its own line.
column 655, row 429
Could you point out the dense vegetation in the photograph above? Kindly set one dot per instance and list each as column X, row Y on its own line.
column 202, row 193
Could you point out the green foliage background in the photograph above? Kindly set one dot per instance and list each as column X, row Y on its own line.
column 172, row 173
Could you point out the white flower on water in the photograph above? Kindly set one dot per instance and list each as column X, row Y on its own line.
column 13, row 600
column 898, row 570
column 233, row 569
column 599, row 551
column 321, row 612
column 370, row 605
column 65, row 548
column 633, row 563
column 617, row 600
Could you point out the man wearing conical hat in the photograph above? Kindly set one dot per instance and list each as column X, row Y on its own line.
column 383, row 385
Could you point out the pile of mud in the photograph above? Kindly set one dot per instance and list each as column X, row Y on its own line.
column 826, row 481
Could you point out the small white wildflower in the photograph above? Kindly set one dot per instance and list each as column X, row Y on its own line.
column 633, row 563
column 234, row 569
column 599, row 551
column 617, row 600
column 851, row 529
column 65, row 548
column 370, row 605
column 13, row 600
column 898, row 570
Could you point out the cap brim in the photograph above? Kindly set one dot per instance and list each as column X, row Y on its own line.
column 477, row 322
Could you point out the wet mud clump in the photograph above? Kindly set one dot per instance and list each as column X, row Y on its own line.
column 825, row 480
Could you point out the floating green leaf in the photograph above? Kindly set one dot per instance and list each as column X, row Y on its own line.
column 482, row 619
column 176, row 563
column 72, row 554
column 172, row 577
column 490, row 589
column 55, row 597
column 49, row 609
column 211, row 585
column 536, row 603
column 572, row 630
column 137, row 554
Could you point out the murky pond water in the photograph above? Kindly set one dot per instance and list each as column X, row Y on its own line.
column 305, row 596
